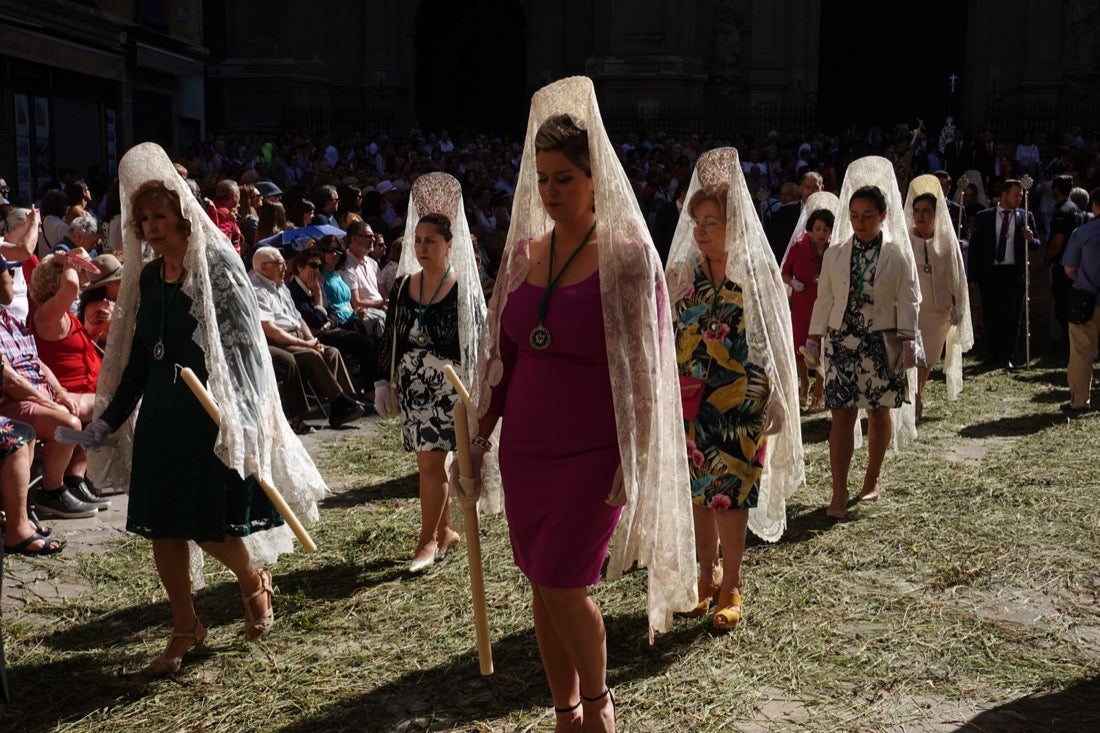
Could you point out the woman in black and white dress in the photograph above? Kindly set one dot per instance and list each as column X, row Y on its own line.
column 433, row 319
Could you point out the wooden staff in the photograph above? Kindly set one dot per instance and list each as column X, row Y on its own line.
column 473, row 538
column 1026, row 183
column 215, row 413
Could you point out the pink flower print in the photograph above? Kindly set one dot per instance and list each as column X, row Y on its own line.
column 720, row 501
column 719, row 335
column 694, row 454
column 761, row 453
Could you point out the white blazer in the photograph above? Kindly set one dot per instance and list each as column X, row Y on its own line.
column 896, row 292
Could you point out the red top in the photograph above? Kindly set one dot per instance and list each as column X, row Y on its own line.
column 74, row 360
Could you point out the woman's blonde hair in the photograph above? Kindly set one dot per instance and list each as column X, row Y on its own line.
column 46, row 279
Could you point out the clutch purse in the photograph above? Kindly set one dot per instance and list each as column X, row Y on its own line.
column 691, row 395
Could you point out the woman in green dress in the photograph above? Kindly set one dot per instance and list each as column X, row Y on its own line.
column 737, row 378
column 191, row 307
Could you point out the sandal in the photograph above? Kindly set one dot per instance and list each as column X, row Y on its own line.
column 572, row 720
column 165, row 665
column 44, row 531
column 708, row 594
column 729, row 610
column 49, row 547
column 301, row 427
column 256, row 627
column 597, row 704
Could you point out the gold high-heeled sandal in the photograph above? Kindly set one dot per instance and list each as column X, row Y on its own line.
column 708, row 594
column 256, row 627
column 165, row 665
column 729, row 610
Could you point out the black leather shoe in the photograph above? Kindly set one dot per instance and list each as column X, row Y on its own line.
column 344, row 410
column 1070, row 409
column 62, row 504
column 79, row 488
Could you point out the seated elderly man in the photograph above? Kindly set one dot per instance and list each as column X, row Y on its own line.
column 296, row 353
column 30, row 393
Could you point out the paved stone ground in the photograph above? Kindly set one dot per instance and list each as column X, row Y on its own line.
column 56, row 578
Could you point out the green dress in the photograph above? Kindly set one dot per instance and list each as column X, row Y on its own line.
column 179, row 489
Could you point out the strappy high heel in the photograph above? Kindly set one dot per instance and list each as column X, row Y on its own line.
column 595, row 704
column 572, row 721
column 165, row 665
column 256, row 626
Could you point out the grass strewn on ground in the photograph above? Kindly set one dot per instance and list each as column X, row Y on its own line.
column 971, row 584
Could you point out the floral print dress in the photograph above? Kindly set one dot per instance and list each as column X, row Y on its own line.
column 857, row 374
column 725, row 441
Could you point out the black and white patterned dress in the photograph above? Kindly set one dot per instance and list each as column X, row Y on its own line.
column 424, row 393
column 857, row 375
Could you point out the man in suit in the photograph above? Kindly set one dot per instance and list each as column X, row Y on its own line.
column 783, row 222
column 997, row 259
column 958, row 156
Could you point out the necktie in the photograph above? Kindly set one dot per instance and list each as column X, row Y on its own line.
column 1002, row 240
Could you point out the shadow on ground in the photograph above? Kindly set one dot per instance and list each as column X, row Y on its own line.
column 1075, row 709
column 453, row 695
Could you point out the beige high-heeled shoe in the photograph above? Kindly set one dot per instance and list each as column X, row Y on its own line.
column 255, row 627
column 165, row 665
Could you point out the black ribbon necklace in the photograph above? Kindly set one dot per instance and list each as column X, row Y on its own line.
column 714, row 323
column 166, row 303
column 540, row 334
column 421, row 337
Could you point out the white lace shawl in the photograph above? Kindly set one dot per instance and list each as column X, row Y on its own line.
column 767, row 318
column 873, row 170
column 254, row 436
column 441, row 193
column 816, row 201
column 655, row 530
column 960, row 337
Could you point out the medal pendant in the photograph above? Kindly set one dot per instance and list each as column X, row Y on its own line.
column 714, row 326
column 540, row 337
column 928, row 268
column 421, row 339
column 816, row 278
column 158, row 350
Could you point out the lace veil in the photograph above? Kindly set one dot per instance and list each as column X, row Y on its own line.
column 817, row 201
column 973, row 177
column 960, row 337
column 876, row 171
column 441, row 193
column 253, row 437
column 655, row 530
column 751, row 264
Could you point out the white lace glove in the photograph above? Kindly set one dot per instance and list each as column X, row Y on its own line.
column 908, row 357
column 774, row 415
column 617, row 497
column 811, row 352
column 385, row 403
column 96, row 431
column 797, row 285
column 953, row 317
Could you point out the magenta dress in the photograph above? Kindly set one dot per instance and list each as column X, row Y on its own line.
column 805, row 266
column 559, row 449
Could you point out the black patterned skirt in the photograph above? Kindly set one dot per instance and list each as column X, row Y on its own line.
column 857, row 375
column 427, row 402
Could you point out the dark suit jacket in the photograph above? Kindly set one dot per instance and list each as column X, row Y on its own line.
column 781, row 227
column 958, row 161
column 983, row 243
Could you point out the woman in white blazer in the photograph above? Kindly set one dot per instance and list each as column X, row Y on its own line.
column 866, row 317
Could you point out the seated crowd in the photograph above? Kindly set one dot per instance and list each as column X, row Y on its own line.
column 321, row 226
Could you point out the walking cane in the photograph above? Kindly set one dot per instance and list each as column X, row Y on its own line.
column 1026, row 182
column 473, row 538
column 276, row 498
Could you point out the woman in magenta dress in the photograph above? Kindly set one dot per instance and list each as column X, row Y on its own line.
column 801, row 269
column 581, row 367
